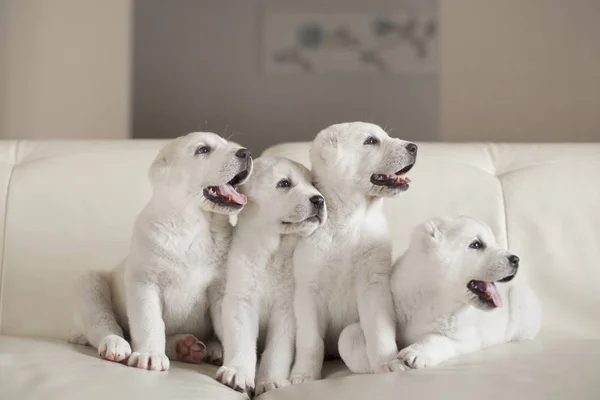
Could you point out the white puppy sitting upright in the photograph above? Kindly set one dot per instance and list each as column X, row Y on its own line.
column 282, row 205
column 454, row 292
column 172, row 276
column 342, row 270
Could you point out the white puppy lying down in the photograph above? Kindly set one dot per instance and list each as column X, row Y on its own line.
column 175, row 266
column 454, row 293
column 282, row 205
column 342, row 270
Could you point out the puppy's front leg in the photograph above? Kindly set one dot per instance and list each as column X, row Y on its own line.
column 276, row 360
column 310, row 334
column 431, row 350
column 147, row 327
column 376, row 314
column 240, row 333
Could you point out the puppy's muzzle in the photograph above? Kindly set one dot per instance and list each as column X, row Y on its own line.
column 514, row 263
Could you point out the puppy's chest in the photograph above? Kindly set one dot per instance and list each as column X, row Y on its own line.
column 192, row 247
column 343, row 247
column 276, row 278
column 186, row 293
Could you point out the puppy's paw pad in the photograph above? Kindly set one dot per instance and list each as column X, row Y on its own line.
column 214, row 353
column 392, row 366
column 189, row 349
column 114, row 348
column 300, row 378
column 414, row 358
column 271, row 384
column 148, row 361
column 236, row 379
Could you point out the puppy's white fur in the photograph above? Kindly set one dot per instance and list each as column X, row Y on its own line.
column 258, row 303
column 342, row 270
column 175, row 266
column 438, row 317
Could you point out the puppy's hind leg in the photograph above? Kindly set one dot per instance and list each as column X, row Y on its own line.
column 353, row 349
column 98, row 318
column 186, row 348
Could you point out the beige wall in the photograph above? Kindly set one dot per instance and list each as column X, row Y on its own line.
column 65, row 69
column 512, row 70
column 520, row 70
column 198, row 66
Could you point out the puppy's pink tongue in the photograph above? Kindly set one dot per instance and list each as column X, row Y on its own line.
column 228, row 191
column 492, row 291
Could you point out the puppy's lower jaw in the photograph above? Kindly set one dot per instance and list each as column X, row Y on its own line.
column 390, row 181
column 486, row 292
column 225, row 195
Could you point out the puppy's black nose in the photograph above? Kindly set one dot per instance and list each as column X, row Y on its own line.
column 317, row 201
column 412, row 148
column 514, row 260
column 242, row 153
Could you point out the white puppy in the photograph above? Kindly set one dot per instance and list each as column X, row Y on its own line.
column 342, row 270
column 175, row 267
column 282, row 205
column 454, row 293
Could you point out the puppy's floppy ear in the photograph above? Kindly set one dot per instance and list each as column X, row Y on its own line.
column 325, row 148
column 432, row 229
column 159, row 168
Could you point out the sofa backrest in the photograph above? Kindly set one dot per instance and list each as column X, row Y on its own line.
column 70, row 206
column 542, row 200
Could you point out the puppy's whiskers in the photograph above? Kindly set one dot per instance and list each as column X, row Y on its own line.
column 233, row 134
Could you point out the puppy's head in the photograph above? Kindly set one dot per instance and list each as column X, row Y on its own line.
column 281, row 192
column 463, row 254
column 362, row 157
column 204, row 165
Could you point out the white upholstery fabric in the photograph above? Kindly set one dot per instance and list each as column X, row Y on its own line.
column 70, row 207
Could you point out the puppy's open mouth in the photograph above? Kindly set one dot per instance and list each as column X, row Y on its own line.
column 226, row 194
column 395, row 181
column 487, row 292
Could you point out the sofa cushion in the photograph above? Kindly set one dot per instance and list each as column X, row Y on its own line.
column 536, row 370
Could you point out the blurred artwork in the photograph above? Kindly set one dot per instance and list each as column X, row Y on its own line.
column 399, row 42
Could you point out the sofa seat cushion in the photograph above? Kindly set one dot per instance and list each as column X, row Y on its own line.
column 544, row 369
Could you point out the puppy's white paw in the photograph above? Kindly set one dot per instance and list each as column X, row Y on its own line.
column 236, row 379
column 297, row 378
column 271, row 384
column 415, row 358
column 149, row 361
column 214, row 353
column 114, row 348
column 391, row 366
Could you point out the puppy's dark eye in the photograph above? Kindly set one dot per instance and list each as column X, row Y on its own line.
column 202, row 150
column 284, row 183
column 477, row 245
column 371, row 140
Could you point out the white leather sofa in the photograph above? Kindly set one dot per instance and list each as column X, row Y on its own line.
column 69, row 206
